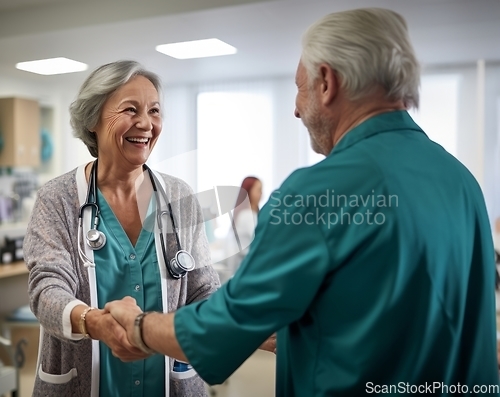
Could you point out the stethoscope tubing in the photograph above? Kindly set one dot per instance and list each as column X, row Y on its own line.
column 175, row 266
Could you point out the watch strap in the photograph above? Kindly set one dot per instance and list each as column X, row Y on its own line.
column 138, row 341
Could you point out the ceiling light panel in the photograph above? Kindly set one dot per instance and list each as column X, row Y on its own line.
column 52, row 66
column 197, row 49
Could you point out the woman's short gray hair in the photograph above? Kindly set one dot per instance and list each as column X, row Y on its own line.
column 85, row 111
column 367, row 47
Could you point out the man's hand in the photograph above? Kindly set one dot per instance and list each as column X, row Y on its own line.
column 102, row 326
column 158, row 331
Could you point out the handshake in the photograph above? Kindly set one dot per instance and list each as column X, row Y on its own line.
column 131, row 335
column 115, row 325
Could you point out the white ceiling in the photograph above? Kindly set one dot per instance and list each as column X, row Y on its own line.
column 266, row 33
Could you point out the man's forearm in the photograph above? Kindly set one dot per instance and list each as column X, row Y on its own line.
column 158, row 333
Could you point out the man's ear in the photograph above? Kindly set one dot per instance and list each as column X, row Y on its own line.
column 329, row 84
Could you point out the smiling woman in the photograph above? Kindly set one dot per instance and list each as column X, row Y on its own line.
column 108, row 229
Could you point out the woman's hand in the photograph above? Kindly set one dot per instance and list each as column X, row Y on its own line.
column 269, row 344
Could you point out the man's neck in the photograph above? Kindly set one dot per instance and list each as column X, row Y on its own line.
column 353, row 113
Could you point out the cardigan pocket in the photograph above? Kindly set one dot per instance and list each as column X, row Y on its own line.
column 66, row 385
column 57, row 379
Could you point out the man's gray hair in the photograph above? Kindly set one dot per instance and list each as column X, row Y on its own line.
column 85, row 111
column 367, row 47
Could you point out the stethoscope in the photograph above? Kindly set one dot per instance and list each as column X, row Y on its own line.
column 178, row 266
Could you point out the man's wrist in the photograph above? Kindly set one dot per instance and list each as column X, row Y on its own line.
column 138, row 340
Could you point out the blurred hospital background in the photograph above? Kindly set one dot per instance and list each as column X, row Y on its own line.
column 225, row 117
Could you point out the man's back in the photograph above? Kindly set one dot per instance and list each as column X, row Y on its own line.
column 407, row 298
column 375, row 265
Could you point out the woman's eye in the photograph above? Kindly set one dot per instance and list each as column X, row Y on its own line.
column 155, row 110
column 130, row 110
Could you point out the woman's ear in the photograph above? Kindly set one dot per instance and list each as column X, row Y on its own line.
column 329, row 84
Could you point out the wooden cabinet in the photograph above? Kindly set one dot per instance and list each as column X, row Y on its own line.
column 20, row 132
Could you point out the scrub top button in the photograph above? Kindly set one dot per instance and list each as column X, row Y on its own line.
column 137, row 382
column 132, row 256
column 137, row 287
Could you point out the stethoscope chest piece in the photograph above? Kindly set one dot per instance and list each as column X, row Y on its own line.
column 95, row 239
column 182, row 263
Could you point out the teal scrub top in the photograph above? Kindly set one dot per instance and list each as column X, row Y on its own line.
column 375, row 265
column 124, row 270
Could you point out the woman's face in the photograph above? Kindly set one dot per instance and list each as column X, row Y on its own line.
column 130, row 123
column 255, row 193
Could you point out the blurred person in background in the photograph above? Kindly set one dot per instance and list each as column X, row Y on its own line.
column 244, row 221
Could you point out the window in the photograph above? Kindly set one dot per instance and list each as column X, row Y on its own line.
column 234, row 140
column 235, row 135
column 438, row 112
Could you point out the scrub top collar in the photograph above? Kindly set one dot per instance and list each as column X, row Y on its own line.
column 384, row 122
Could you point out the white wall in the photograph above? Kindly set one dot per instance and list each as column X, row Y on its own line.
column 175, row 151
column 492, row 144
column 477, row 127
column 291, row 142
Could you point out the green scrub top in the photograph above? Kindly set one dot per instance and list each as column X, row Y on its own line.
column 375, row 266
column 124, row 270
